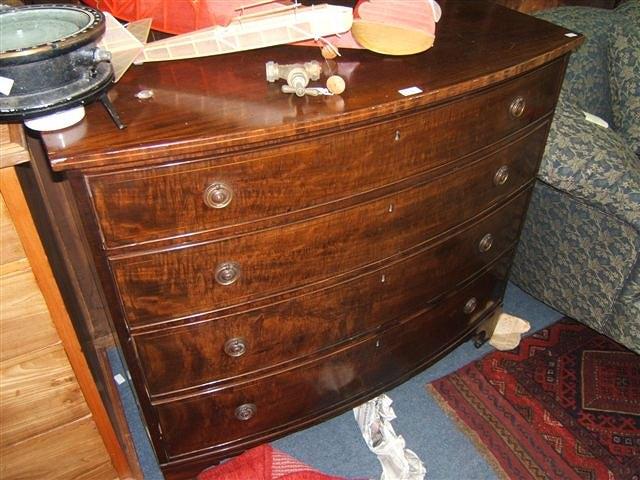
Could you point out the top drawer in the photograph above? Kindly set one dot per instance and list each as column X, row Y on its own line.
column 174, row 200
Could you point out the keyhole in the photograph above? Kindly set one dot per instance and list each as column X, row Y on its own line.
column 397, row 137
column 383, row 278
column 391, row 207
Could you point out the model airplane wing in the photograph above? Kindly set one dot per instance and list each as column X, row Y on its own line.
column 124, row 43
column 275, row 27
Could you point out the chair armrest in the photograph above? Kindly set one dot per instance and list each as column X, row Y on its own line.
column 624, row 77
column 592, row 163
column 586, row 82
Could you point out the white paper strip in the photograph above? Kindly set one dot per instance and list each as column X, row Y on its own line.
column 6, row 84
column 590, row 117
column 410, row 91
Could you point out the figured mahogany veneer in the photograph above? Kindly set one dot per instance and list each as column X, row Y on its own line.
column 176, row 283
column 317, row 318
column 267, row 261
column 166, row 201
column 312, row 388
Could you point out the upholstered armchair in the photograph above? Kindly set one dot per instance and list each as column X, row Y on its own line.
column 580, row 247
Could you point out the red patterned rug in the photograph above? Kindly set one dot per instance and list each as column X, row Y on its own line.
column 565, row 404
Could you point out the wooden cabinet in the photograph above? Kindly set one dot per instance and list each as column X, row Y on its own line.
column 268, row 261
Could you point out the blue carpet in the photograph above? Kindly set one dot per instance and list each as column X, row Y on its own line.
column 336, row 446
column 148, row 461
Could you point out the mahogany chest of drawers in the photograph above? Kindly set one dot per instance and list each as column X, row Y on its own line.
column 267, row 261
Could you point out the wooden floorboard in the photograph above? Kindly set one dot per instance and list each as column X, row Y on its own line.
column 10, row 248
column 26, row 324
column 46, row 428
column 72, row 451
column 39, row 393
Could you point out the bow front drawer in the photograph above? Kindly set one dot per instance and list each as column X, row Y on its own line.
column 217, row 274
column 247, row 411
column 217, row 350
column 165, row 202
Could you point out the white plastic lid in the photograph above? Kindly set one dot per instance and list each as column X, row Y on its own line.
column 56, row 121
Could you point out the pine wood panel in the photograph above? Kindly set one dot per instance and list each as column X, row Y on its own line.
column 39, row 393
column 21, row 297
column 14, row 342
column 10, row 248
column 46, row 430
column 22, row 304
column 72, row 451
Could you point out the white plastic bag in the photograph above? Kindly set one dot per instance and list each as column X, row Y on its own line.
column 398, row 463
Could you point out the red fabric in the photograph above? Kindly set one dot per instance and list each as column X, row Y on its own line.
column 168, row 16
column 177, row 16
column 561, row 405
column 263, row 463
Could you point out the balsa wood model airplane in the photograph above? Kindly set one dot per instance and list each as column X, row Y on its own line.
column 392, row 27
column 281, row 25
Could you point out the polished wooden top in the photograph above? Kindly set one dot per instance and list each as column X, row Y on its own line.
column 223, row 103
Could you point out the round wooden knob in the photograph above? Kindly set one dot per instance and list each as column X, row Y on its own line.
column 336, row 84
column 329, row 52
column 501, row 176
column 517, row 107
column 235, row 347
column 486, row 243
column 227, row 273
column 471, row 305
column 218, row 195
column 246, row 411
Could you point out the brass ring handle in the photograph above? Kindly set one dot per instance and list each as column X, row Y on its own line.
column 235, row 347
column 227, row 273
column 517, row 106
column 471, row 305
column 245, row 411
column 218, row 195
column 486, row 243
column 501, row 176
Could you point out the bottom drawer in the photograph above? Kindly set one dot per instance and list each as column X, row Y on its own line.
column 257, row 410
